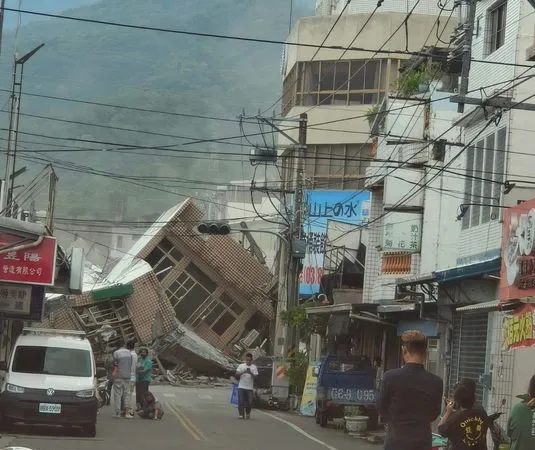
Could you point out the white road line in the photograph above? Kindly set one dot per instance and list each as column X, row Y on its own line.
column 300, row 431
column 168, row 395
column 205, row 397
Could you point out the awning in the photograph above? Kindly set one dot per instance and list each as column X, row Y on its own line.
column 329, row 309
column 469, row 271
column 115, row 291
column 370, row 318
column 489, row 306
column 396, row 308
column 417, row 279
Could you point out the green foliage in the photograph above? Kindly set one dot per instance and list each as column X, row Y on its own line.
column 371, row 114
column 297, row 371
column 306, row 326
column 151, row 70
column 409, row 81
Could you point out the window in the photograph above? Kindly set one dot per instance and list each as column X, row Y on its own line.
column 164, row 256
column 67, row 362
column 337, row 166
column 496, row 27
column 358, row 82
column 189, row 292
column 221, row 314
column 485, row 174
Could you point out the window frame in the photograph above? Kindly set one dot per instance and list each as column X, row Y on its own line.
column 496, row 27
column 476, row 189
column 170, row 254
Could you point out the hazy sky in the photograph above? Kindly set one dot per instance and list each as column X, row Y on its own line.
column 48, row 6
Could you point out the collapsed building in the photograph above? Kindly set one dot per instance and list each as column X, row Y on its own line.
column 189, row 296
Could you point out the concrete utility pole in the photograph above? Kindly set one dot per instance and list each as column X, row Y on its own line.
column 296, row 230
column 2, row 22
column 468, row 29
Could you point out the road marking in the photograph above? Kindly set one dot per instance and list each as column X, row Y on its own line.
column 168, row 395
column 205, row 397
column 186, row 422
column 189, row 422
column 300, row 431
column 181, row 420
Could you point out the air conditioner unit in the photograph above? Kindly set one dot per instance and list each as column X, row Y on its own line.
column 251, row 337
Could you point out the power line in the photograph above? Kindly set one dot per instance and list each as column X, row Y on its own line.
column 237, row 38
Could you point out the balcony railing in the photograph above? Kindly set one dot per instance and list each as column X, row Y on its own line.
column 396, row 263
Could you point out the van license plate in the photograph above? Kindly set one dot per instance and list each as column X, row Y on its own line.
column 49, row 408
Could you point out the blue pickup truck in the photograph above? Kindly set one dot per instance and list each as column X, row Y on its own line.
column 345, row 381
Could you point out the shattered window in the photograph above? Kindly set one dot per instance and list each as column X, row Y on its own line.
column 164, row 256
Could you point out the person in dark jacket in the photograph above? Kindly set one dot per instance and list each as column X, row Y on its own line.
column 410, row 398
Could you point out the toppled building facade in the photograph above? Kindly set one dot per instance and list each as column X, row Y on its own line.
column 190, row 296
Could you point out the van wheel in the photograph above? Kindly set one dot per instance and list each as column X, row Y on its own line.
column 318, row 418
column 5, row 424
column 323, row 420
column 90, row 430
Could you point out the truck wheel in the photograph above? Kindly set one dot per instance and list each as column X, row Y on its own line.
column 323, row 420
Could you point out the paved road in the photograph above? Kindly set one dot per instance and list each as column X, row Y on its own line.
column 195, row 418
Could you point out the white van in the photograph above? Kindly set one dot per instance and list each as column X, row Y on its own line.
column 50, row 379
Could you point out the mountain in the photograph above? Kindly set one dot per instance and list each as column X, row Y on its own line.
column 144, row 69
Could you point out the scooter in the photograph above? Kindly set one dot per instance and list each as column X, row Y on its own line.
column 103, row 392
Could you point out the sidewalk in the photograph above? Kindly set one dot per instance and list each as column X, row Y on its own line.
column 334, row 434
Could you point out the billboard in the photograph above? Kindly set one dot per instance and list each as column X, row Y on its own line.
column 517, row 274
column 31, row 265
column 519, row 328
column 352, row 207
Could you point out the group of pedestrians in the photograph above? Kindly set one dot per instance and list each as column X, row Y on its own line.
column 132, row 374
column 411, row 399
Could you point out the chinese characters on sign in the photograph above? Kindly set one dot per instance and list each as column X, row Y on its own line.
column 15, row 299
column 323, row 206
column 519, row 328
column 34, row 265
column 402, row 232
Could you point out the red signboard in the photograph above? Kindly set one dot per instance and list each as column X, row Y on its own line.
column 30, row 265
column 517, row 275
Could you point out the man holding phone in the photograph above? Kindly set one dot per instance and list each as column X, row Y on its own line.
column 246, row 373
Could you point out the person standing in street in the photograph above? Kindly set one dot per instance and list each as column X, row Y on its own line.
column 410, row 398
column 521, row 423
column 122, row 382
column 131, row 345
column 464, row 425
column 246, row 373
column 144, row 374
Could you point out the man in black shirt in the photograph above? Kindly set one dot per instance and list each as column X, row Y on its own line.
column 410, row 398
column 464, row 426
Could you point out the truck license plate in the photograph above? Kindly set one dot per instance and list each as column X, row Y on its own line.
column 49, row 408
column 359, row 396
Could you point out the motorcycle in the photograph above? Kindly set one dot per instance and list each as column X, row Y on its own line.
column 103, row 392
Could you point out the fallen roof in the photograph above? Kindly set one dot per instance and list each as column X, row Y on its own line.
column 129, row 260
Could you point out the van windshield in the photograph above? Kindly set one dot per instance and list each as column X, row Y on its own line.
column 349, row 364
column 68, row 362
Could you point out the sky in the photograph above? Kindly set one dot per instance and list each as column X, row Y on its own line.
column 48, row 6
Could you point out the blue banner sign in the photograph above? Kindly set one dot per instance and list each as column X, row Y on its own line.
column 352, row 207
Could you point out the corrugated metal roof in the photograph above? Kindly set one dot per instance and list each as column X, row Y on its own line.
column 480, row 306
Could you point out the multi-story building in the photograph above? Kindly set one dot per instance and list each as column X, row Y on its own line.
column 497, row 167
column 340, row 92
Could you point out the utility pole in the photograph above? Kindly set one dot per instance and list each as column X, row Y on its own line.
column 468, row 30
column 2, row 22
column 13, row 131
column 296, row 230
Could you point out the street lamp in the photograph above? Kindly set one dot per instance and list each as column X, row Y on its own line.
column 14, row 118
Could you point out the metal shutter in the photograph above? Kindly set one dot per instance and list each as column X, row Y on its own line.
column 469, row 348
